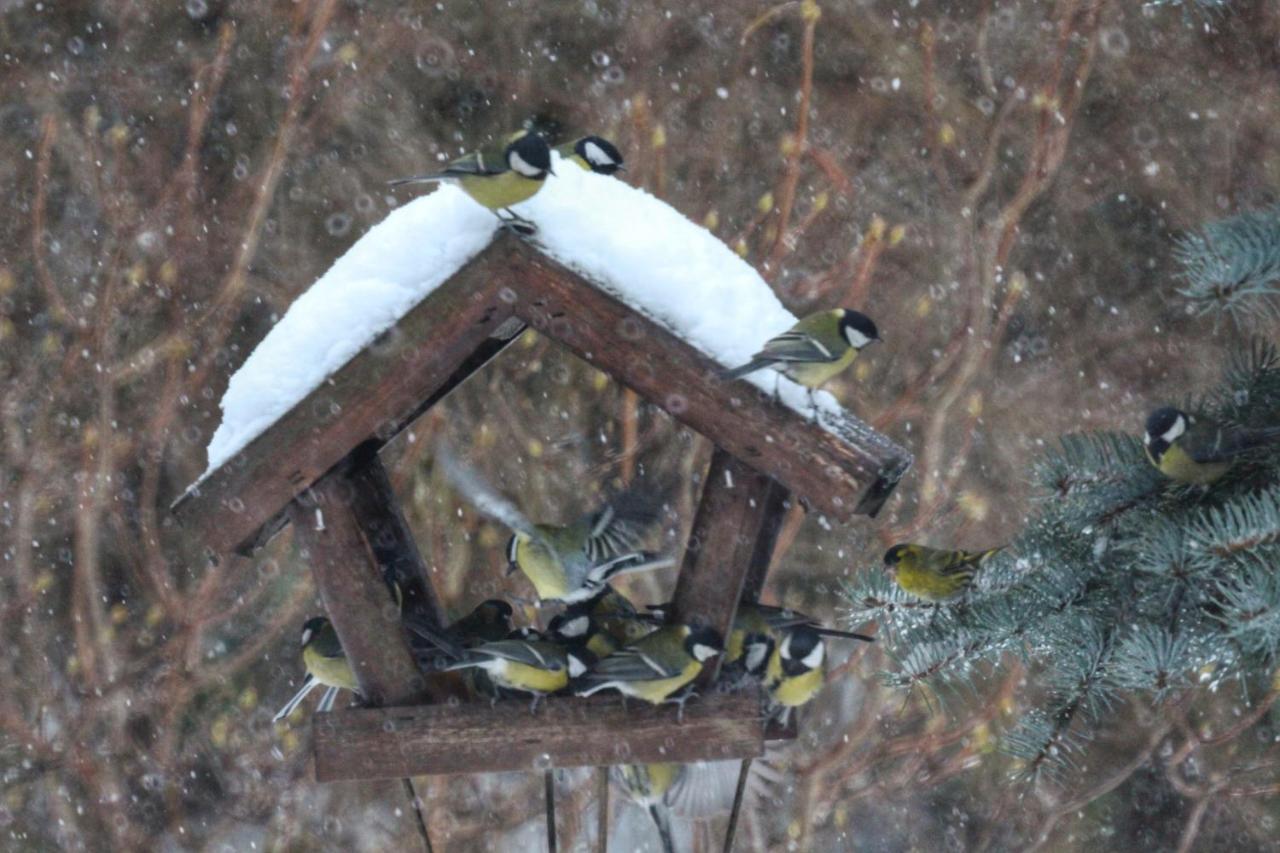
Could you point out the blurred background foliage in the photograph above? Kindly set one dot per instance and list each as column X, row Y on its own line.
column 1001, row 184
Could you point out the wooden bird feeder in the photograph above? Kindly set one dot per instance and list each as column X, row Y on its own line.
column 318, row 467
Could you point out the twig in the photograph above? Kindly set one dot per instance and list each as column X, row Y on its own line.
column 738, row 793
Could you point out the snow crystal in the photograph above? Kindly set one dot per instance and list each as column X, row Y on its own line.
column 629, row 243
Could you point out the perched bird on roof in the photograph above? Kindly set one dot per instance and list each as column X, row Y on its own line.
column 594, row 153
column 1196, row 450
column 499, row 175
column 326, row 667
column 932, row 573
column 815, row 349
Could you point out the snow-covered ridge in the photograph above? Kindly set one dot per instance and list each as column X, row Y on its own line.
column 636, row 247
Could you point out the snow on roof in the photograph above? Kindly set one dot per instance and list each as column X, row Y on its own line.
column 629, row 243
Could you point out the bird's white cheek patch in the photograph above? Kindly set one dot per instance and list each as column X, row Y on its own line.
column 595, row 154
column 523, row 166
column 576, row 667
column 306, row 636
column 856, row 339
column 575, row 627
column 1178, row 428
column 702, row 652
column 813, row 660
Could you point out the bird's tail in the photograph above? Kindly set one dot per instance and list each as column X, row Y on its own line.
column 662, row 820
column 417, row 179
column 978, row 558
column 435, row 638
column 308, row 684
column 750, row 367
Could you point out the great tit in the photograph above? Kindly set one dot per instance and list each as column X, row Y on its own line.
column 326, row 667
column 932, row 573
column 794, row 673
column 1195, row 450
column 574, row 562
column 579, row 627
column 655, row 667
column 652, row 787
column 488, row 622
column 535, row 666
column 498, row 175
column 757, row 628
column 814, row 349
column 592, row 152
column 614, row 614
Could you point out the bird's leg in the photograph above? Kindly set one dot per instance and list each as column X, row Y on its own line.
column 679, row 703
column 533, row 706
column 813, row 406
column 777, row 387
column 515, row 223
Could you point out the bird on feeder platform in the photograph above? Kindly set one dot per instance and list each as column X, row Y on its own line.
column 326, row 666
column 536, row 666
column 815, row 349
column 795, row 670
column 498, row 175
column 656, row 667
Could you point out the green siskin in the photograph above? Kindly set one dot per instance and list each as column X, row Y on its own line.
column 932, row 573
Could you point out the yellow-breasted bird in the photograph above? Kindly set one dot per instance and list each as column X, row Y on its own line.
column 655, row 667
column 614, row 614
column 932, row 573
column 1195, row 450
column 499, row 175
column 794, row 673
column 489, row 621
column 326, row 667
column 571, row 562
column 815, row 349
column 758, row 628
column 535, row 666
column 652, row 787
column 576, row 627
column 594, row 153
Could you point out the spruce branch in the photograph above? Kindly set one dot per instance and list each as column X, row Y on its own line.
column 1232, row 266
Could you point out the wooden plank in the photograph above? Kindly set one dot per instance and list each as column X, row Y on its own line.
column 842, row 466
column 373, row 396
column 328, row 530
column 731, row 514
column 388, row 743
column 377, row 513
column 776, row 501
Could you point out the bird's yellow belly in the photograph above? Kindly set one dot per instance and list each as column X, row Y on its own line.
column 331, row 672
column 1177, row 465
column 542, row 570
column 659, row 690
column 816, row 375
column 929, row 585
column 500, row 191
column 531, row 679
column 799, row 690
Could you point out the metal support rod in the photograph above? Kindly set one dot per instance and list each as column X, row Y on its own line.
column 737, row 805
column 550, row 788
column 417, row 811
column 602, row 803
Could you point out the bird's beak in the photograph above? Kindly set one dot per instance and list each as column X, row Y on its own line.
column 512, row 568
column 550, row 171
column 621, row 169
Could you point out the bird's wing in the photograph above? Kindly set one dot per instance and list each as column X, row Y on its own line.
column 623, row 522
column 796, row 346
column 483, row 496
column 630, row 665
column 436, row 638
column 540, row 655
column 1221, row 444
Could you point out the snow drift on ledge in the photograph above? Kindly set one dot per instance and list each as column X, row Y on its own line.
column 634, row 246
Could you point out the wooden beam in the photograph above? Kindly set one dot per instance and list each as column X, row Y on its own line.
column 731, row 514
column 433, row 348
column 377, row 512
column 776, row 501
column 329, row 532
column 388, row 743
column 842, row 466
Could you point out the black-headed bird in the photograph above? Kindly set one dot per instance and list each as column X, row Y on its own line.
column 815, row 349
column 499, row 175
column 594, row 153
column 326, row 667
column 580, row 628
column 1195, row 450
column 795, row 671
column 934, row 574
column 535, row 666
column 757, row 628
column 656, row 667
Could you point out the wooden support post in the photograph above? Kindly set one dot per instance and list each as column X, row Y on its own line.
column 775, row 512
column 378, row 513
column 328, row 527
column 723, row 544
column 419, row 740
